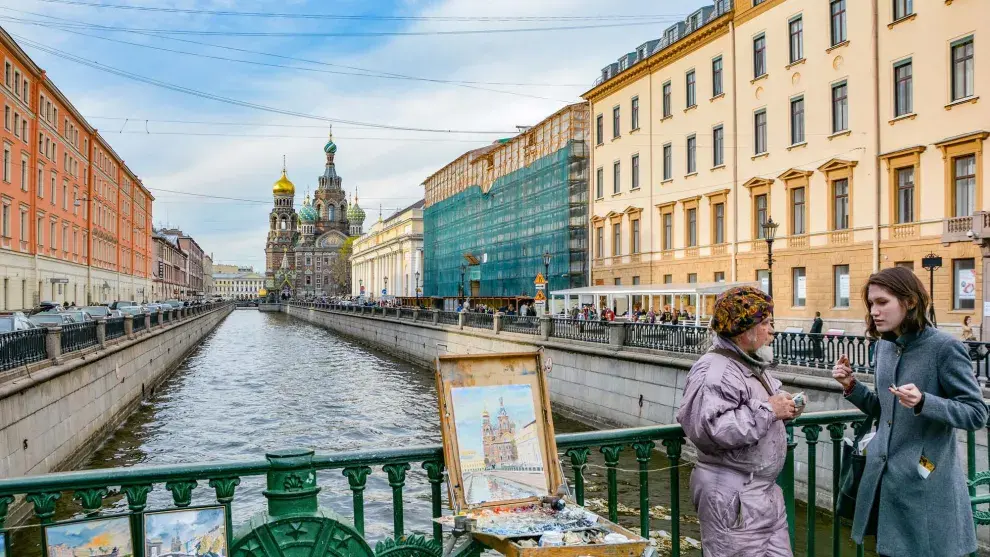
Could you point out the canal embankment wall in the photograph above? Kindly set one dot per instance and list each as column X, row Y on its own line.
column 600, row 385
column 52, row 418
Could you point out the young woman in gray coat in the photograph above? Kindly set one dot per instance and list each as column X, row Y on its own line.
column 913, row 495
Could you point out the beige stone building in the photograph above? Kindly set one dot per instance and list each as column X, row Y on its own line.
column 807, row 112
column 389, row 257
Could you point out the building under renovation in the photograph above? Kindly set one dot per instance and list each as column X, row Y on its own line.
column 492, row 214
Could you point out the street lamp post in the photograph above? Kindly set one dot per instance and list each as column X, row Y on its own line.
column 931, row 263
column 417, row 288
column 546, row 275
column 460, row 287
column 769, row 232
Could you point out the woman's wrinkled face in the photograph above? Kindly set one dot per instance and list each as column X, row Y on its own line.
column 887, row 311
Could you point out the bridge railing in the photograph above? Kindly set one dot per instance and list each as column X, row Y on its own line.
column 526, row 324
column 115, row 327
column 19, row 348
column 78, row 336
column 576, row 329
column 300, row 471
column 449, row 317
column 479, row 320
column 673, row 338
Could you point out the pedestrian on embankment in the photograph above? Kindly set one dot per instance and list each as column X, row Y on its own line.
column 733, row 411
column 913, row 495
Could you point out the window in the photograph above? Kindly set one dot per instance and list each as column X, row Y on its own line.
column 719, row 276
column 718, row 146
column 692, row 278
column 692, row 155
column 6, row 163
column 615, row 177
column 617, row 281
column 692, row 228
column 617, row 239
column 51, row 236
column 690, row 88
column 668, row 231
column 797, row 121
column 797, row 211
column 903, row 8
column 796, row 30
column 41, row 184
column 6, row 220
column 759, row 56
column 668, row 279
column 903, row 89
column 964, row 189
column 599, row 130
column 838, row 9
column 963, row 284
column 840, row 285
column 615, row 122
column 635, row 172
column 635, row 236
column 635, row 281
column 634, row 114
column 24, row 225
column 17, row 125
column 6, row 117
column 600, row 241
column 905, row 264
column 761, row 215
column 668, row 161
column 719, row 217
column 840, row 197
column 41, row 229
column 600, row 183
column 962, row 69
column 840, row 107
column 717, row 77
column 798, row 287
column 905, row 194
column 760, row 128
column 24, row 173
column 666, row 100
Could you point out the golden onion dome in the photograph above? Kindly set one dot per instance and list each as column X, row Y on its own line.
column 262, row 293
column 283, row 186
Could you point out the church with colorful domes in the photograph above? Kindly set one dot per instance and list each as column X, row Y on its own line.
column 303, row 246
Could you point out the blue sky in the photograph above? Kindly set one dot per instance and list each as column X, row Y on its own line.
column 386, row 166
column 190, row 524
column 108, row 533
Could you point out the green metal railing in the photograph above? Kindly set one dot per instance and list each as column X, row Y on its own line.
column 91, row 488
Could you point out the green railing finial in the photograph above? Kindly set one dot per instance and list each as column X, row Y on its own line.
column 292, row 485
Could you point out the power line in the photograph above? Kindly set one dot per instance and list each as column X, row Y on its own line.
column 279, row 136
column 283, row 57
column 503, row 31
column 358, row 17
column 297, row 68
column 231, row 101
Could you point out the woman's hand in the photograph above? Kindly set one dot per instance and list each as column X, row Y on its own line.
column 908, row 395
column 843, row 373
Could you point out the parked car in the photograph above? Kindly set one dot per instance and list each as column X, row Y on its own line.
column 97, row 312
column 133, row 310
column 121, row 303
column 175, row 304
column 46, row 306
column 79, row 316
column 15, row 321
column 52, row 319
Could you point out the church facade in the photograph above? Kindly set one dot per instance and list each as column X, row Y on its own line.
column 303, row 248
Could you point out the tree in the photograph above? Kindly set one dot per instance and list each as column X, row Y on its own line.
column 340, row 268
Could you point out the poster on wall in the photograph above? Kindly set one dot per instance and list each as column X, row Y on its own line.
column 802, row 287
column 765, row 283
column 967, row 284
column 844, row 286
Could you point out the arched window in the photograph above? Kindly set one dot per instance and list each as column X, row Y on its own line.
column 333, row 215
column 319, row 209
column 343, row 211
column 284, row 223
column 273, row 222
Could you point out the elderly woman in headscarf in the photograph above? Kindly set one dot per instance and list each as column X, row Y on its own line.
column 733, row 411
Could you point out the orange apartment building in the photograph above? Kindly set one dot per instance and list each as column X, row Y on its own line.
column 75, row 221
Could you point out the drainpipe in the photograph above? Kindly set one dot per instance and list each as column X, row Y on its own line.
column 651, row 208
column 735, row 156
column 876, row 139
column 592, row 175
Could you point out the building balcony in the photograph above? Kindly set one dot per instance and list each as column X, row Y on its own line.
column 966, row 229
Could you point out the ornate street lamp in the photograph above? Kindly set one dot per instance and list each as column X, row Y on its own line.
column 417, row 288
column 460, row 287
column 546, row 275
column 769, row 232
column 931, row 263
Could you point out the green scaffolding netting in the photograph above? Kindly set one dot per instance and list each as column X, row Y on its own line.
column 540, row 208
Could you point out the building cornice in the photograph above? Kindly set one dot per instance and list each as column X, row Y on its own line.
column 663, row 58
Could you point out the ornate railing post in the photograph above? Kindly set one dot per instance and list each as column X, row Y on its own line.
column 101, row 332
column 643, row 451
column 147, row 322
column 546, row 325
column 497, row 321
column 579, row 459
column 811, row 433
column 436, row 317
column 53, row 344
column 161, row 319
column 397, row 479
column 786, row 482
column 835, row 433
column 434, row 470
column 460, row 320
column 673, row 447
column 611, row 453
column 357, row 478
column 291, row 484
column 224, row 488
column 128, row 325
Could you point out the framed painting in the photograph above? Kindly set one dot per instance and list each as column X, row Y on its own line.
column 199, row 531
column 497, row 429
column 110, row 537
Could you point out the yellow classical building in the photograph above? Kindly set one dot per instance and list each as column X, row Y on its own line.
column 805, row 112
column 388, row 259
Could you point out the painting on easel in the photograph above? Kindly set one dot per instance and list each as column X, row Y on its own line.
column 498, row 443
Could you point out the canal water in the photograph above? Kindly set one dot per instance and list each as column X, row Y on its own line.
column 265, row 381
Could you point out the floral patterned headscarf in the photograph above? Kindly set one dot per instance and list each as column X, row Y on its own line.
column 739, row 309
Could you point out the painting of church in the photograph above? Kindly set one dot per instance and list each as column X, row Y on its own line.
column 186, row 533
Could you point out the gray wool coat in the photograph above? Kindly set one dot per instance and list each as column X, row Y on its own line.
column 919, row 517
